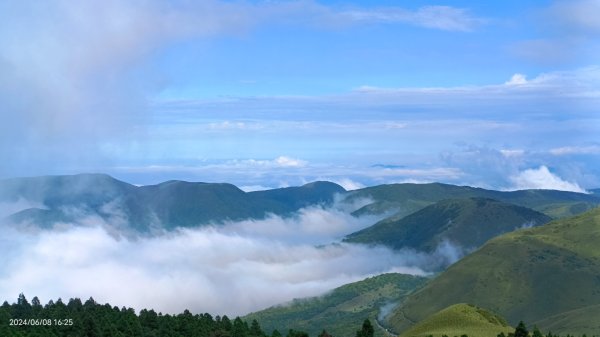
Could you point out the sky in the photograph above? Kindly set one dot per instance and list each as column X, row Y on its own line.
column 264, row 94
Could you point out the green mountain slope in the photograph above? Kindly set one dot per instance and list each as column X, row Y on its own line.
column 465, row 222
column 168, row 205
column 527, row 275
column 460, row 319
column 581, row 321
column 408, row 198
column 342, row 311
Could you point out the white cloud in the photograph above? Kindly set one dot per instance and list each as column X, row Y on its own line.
column 234, row 125
column 348, row 184
column 542, row 178
column 443, row 173
column 284, row 161
column 279, row 162
column 252, row 188
column 68, row 69
column 517, row 79
column 231, row 269
column 567, row 150
column 512, row 152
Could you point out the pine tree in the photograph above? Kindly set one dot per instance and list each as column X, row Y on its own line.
column 521, row 330
column 255, row 329
column 324, row 333
column 366, row 330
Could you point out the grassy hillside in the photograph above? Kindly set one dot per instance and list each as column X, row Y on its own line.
column 466, row 222
column 408, row 198
column 342, row 311
column 460, row 319
column 581, row 321
column 528, row 275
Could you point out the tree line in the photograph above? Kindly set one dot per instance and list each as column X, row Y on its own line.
column 91, row 319
column 521, row 331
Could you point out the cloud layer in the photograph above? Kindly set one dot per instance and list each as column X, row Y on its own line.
column 231, row 269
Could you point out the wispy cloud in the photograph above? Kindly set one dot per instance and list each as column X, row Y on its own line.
column 436, row 17
column 574, row 83
column 569, row 32
column 568, row 150
column 580, row 16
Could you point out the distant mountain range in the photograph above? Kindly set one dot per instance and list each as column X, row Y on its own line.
column 405, row 199
column 170, row 204
column 185, row 204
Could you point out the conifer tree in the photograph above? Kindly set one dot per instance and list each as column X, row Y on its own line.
column 521, row 330
column 366, row 330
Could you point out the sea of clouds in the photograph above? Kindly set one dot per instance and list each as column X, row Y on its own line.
column 232, row 268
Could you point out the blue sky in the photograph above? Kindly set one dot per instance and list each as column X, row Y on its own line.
column 503, row 95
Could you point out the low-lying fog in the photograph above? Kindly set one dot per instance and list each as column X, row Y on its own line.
column 232, row 269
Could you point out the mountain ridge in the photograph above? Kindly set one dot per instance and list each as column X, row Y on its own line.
column 530, row 275
column 467, row 223
column 179, row 203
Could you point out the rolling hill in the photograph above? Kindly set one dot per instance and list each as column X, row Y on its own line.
column 575, row 322
column 468, row 223
column 530, row 275
column 460, row 319
column 341, row 311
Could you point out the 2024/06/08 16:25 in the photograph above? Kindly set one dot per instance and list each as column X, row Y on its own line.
column 40, row 321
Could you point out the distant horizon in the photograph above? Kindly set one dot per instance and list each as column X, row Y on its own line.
column 249, row 188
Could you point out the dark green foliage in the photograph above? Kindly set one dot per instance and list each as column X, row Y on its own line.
column 521, row 330
column 466, row 222
column 366, row 329
column 90, row 319
column 342, row 310
column 296, row 333
column 324, row 334
column 255, row 330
